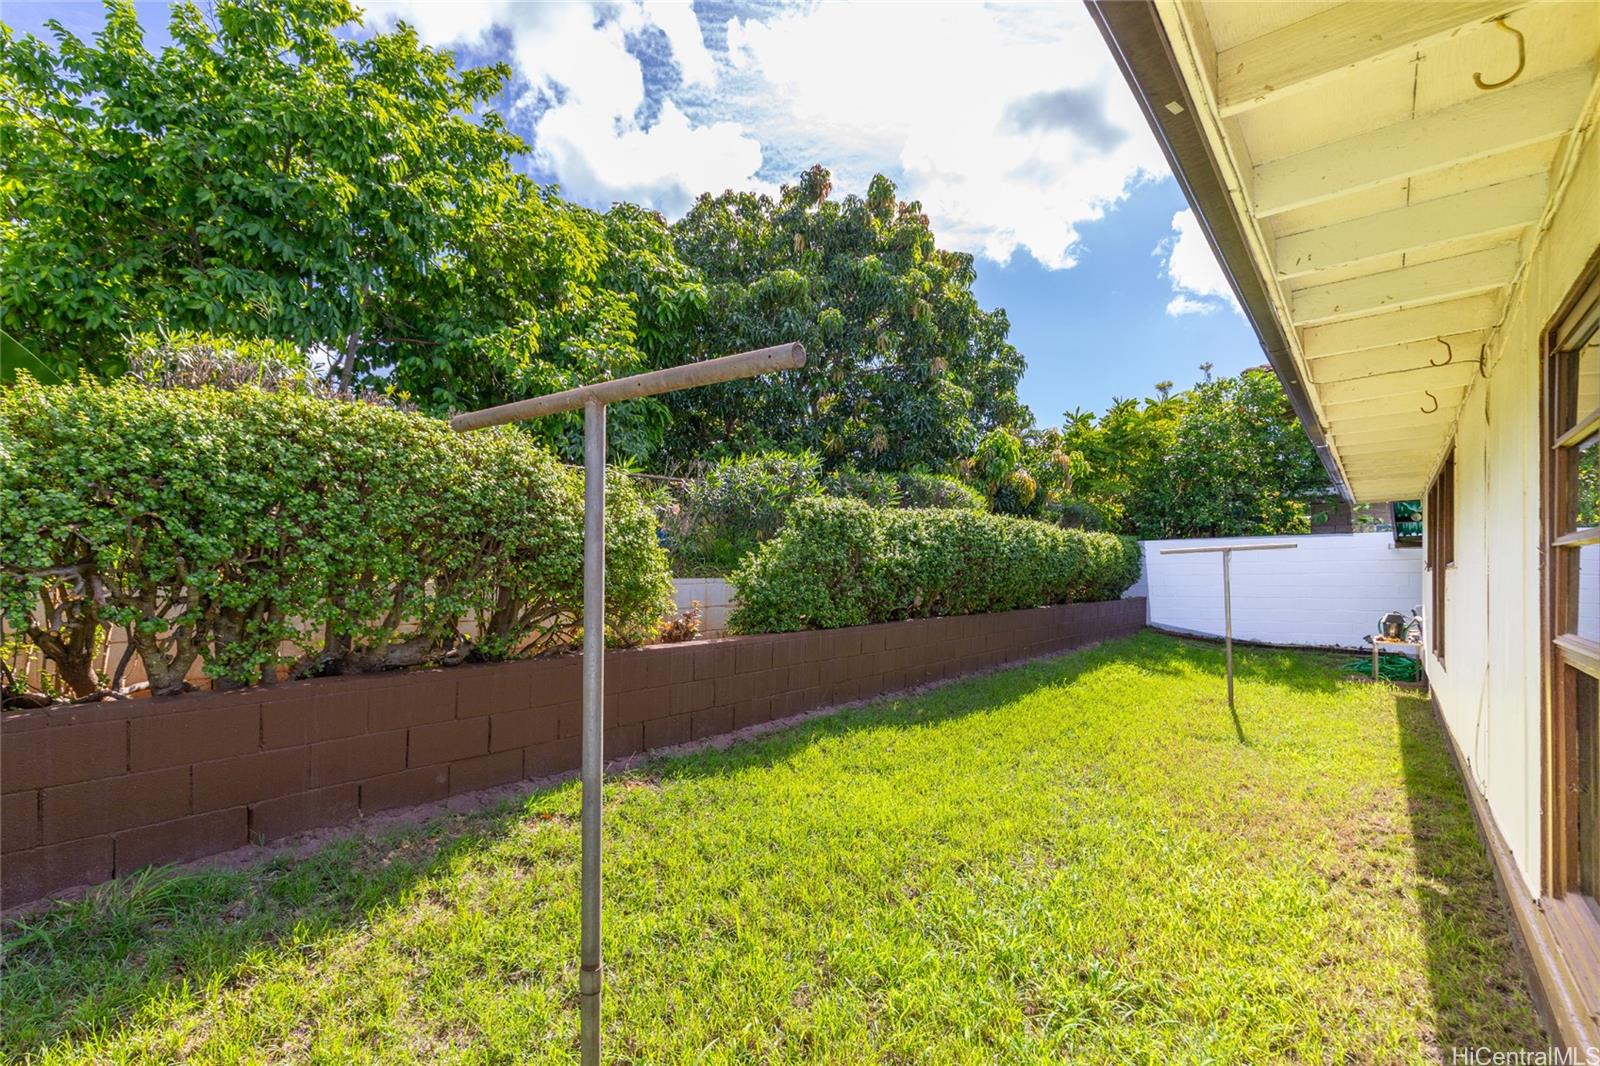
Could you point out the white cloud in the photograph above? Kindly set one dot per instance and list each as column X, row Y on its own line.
column 1182, row 305
column 1011, row 125
column 1196, row 277
column 586, row 89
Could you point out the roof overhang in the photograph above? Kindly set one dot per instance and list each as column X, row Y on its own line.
column 1370, row 187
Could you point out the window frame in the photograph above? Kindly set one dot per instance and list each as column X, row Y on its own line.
column 1439, row 540
column 1564, row 654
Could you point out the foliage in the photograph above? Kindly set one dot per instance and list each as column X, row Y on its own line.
column 1227, row 458
column 1240, row 464
column 272, row 174
column 685, row 625
column 223, row 524
column 15, row 356
column 904, row 369
column 735, row 505
column 869, row 486
column 188, row 360
column 842, row 563
column 939, row 490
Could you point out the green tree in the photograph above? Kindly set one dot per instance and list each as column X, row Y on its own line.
column 264, row 175
column 904, row 369
column 1226, row 458
column 272, row 175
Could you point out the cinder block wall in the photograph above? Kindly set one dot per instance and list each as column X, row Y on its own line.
column 97, row 791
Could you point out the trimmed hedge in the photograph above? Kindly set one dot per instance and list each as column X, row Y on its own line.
column 842, row 563
column 738, row 504
column 223, row 524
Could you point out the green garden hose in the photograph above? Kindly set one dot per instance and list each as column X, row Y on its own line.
column 1391, row 667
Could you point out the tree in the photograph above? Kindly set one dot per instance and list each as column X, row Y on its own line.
column 1226, row 458
column 265, row 175
column 270, row 175
column 904, row 369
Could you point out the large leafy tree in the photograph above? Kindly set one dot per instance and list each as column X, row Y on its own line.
column 271, row 174
column 1227, row 458
column 263, row 174
column 904, row 368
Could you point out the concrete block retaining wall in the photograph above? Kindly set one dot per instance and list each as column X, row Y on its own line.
column 91, row 792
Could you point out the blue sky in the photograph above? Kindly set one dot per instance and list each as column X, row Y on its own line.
column 1008, row 122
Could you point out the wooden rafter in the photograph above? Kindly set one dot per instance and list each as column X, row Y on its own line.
column 1482, row 126
column 1398, row 327
column 1410, row 286
column 1306, row 53
column 1458, row 351
column 1504, row 208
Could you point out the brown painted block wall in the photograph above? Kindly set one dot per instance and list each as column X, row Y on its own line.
column 91, row 792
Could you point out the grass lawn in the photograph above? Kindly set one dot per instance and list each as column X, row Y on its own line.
column 1087, row 859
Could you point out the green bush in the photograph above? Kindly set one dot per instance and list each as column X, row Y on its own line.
column 940, row 490
column 842, row 563
column 262, row 529
column 739, row 504
column 868, row 486
column 735, row 506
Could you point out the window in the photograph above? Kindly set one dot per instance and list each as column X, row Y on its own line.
column 1439, row 531
column 1572, row 596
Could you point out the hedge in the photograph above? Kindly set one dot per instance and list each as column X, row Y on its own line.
column 738, row 504
column 841, row 563
column 222, row 524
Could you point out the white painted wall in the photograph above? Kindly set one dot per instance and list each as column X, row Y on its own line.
column 715, row 597
column 1327, row 591
column 1489, row 684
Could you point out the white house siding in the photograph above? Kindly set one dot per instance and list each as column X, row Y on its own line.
column 1327, row 591
column 1489, row 684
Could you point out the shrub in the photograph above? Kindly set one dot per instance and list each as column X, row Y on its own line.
column 739, row 504
column 842, row 563
column 257, row 529
column 868, row 486
column 736, row 505
column 939, row 490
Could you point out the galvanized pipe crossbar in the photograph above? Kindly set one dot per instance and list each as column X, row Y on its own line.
column 593, row 400
column 687, row 376
column 1227, row 551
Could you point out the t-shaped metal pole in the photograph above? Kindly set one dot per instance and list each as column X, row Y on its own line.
column 593, row 399
column 1227, row 551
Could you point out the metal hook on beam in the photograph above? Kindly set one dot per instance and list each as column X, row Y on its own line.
column 1435, row 399
column 1450, row 353
column 1522, row 57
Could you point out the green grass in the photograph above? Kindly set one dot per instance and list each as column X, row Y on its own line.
column 1084, row 859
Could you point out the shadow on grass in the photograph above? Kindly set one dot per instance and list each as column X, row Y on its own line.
column 1480, row 995
column 87, row 967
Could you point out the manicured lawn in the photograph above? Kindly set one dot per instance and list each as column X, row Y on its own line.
column 1082, row 859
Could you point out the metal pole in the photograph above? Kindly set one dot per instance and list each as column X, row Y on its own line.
column 594, row 650
column 1227, row 589
column 1227, row 618
column 593, row 399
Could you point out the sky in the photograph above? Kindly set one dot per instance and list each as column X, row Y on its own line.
column 1008, row 122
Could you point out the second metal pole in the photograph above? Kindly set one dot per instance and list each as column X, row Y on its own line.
column 1227, row 618
column 590, row 976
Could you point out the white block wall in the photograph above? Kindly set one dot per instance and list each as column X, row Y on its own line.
column 715, row 597
column 1327, row 591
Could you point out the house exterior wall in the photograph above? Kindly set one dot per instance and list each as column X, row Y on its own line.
column 1347, row 580
column 1489, row 683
